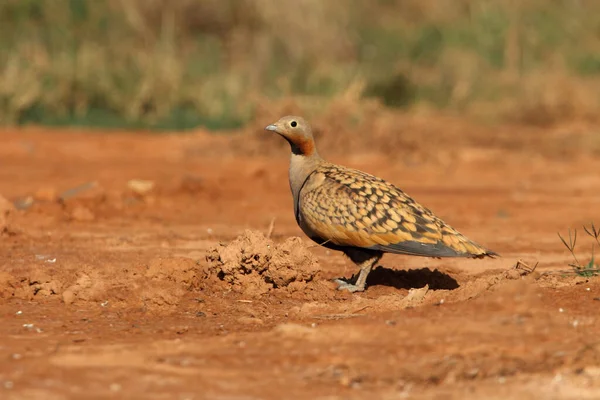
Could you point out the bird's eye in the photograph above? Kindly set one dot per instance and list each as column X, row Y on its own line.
column 293, row 124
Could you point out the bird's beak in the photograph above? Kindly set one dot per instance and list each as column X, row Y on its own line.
column 271, row 128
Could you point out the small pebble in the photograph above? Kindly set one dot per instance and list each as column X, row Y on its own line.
column 23, row 204
column 115, row 387
column 140, row 187
column 557, row 378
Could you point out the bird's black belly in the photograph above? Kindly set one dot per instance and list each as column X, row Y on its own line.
column 356, row 254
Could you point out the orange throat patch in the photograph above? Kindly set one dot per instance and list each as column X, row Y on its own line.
column 306, row 147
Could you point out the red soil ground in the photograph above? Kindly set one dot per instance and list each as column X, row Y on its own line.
column 116, row 288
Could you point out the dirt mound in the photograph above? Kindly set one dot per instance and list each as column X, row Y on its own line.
column 156, row 286
column 253, row 264
column 89, row 286
column 167, row 280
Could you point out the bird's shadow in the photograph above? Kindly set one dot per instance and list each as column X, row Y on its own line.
column 412, row 278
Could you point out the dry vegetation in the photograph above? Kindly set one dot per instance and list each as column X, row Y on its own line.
column 178, row 64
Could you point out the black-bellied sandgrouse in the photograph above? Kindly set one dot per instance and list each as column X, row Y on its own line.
column 359, row 214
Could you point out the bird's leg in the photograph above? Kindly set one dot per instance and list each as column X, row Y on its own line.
column 359, row 284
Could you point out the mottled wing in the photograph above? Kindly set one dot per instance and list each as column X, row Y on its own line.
column 347, row 207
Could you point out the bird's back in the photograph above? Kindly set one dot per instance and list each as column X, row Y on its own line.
column 350, row 208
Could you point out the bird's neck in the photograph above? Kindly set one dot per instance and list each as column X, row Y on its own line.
column 305, row 147
column 301, row 166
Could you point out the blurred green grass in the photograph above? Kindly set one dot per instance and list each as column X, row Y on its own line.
column 179, row 64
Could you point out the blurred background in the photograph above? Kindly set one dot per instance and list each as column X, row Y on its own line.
column 180, row 64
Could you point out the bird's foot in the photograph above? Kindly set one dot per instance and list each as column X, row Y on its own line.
column 343, row 285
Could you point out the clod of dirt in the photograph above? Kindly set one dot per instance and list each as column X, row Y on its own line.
column 87, row 288
column 8, row 283
column 37, row 284
column 252, row 264
column 415, row 297
column 140, row 187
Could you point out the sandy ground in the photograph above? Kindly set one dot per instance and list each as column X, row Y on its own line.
column 171, row 267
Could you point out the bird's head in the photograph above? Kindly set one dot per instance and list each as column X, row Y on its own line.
column 297, row 132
